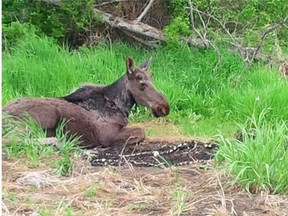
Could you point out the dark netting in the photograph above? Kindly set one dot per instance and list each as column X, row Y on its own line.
column 153, row 154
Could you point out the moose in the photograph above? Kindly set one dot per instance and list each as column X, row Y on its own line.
column 98, row 114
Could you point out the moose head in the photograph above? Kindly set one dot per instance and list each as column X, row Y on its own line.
column 140, row 86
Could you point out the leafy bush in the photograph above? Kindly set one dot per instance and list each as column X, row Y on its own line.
column 247, row 18
column 66, row 22
column 14, row 32
column 180, row 22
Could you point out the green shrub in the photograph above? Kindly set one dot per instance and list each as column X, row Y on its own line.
column 248, row 19
column 179, row 24
column 67, row 22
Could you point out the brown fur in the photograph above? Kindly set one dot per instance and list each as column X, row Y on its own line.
column 99, row 114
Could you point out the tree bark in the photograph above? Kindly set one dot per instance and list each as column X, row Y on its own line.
column 134, row 26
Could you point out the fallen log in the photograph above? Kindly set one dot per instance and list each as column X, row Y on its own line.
column 131, row 26
column 152, row 37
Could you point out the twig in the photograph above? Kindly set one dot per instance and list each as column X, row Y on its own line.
column 235, row 42
column 203, row 35
column 145, row 11
column 265, row 33
column 109, row 2
column 193, row 22
column 4, row 208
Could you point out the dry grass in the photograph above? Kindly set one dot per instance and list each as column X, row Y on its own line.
column 159, row 130
column 129, row 190
column 123, row 191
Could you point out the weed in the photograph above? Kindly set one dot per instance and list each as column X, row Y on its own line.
column 92, row 190
column 65, row 209
column 68, row 146
column 138, row 207
column 9, row 195
column 259, row 160
column 180, row 197
column 45, row 212
column 24, row 140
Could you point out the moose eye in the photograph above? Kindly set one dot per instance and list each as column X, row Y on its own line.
column 139, row 77
column 142, row 85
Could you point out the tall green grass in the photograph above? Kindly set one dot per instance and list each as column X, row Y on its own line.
column 202, row 101
column 259, row 161
column 24, row 141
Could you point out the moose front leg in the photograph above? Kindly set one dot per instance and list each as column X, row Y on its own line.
column 129, row 136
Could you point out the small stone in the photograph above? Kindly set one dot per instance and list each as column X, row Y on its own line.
column 155, row 153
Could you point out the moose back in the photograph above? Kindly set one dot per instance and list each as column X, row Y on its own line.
column 98, row 114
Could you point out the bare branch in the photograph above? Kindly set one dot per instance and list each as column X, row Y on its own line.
column 139, row 18
column 269, row 29
column 195, row 42
column 193, row 22
column 235, row 42
column 203, row 35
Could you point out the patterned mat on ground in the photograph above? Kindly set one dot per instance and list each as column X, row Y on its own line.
column 154, row 154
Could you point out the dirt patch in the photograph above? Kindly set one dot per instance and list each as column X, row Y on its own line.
column 128, row 190
column 194, row 189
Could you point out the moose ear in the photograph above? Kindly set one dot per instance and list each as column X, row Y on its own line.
column 129, row 65
column 145, row 65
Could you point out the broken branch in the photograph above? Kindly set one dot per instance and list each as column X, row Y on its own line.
column 145, row 11
column 131, row 26
column 269, row 29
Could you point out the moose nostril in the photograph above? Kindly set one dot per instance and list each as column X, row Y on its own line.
column 165, row 110
column 162, row 110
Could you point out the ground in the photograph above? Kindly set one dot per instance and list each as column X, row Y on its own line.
column 186, row 190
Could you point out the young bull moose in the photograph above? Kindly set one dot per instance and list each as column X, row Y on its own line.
column 98, row 114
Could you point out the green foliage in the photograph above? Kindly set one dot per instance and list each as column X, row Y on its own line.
column 259, row 161
column 248, row 18
column 24, row 140
column 15, row 32
column 68, row 146
column 201, row 101
column 92, row 190
column 179, row 25
column 65, row 22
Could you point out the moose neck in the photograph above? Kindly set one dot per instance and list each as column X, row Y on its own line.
column 118, row 93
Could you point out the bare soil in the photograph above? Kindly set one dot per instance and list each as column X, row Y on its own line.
column 194, row 189
column 91, row 190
